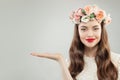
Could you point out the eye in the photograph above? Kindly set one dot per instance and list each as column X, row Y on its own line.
column 83, row 29
column 95, row 29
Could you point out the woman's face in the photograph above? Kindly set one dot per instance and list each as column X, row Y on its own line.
column 90, row 33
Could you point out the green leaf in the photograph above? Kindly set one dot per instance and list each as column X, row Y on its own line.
column 92, row 15
column 83, row 11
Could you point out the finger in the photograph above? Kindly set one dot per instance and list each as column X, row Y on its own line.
column 39, row 54
column 35, row 54
column 44, row 55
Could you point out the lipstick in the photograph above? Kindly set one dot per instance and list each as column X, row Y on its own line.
column 90, row 39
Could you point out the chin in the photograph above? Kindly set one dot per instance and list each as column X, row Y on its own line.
column 90, row 45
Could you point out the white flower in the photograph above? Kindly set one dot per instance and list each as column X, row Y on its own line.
column 85, row 18
column 107, row 19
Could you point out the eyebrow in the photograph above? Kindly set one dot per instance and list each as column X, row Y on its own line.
column 95, row 25
column 84, row 26
column 92, row 26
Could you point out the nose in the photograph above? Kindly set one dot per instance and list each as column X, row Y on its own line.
column 90, row 33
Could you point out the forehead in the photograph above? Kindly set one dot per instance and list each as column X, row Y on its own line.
column 90, row 23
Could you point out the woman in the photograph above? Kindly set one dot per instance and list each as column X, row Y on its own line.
column 90, row 55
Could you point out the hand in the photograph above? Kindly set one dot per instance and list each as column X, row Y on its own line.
column 58, row 57
column 55, row 56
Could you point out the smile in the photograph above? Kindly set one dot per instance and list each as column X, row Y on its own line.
column 90, row 40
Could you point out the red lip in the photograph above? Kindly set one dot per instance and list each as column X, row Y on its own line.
column 90, row 39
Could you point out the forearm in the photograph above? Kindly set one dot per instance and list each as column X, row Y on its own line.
column 65, row 71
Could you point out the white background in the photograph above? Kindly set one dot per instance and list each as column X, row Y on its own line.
column 43, row 26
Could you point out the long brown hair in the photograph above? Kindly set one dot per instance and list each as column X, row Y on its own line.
column 106, row 70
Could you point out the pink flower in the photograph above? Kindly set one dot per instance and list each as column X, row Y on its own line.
column 88, row 13
column 79, row 11
column 88, row 9
column 108, row 20
column 77, row 16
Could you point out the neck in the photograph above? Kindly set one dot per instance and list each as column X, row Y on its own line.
column 90, row 52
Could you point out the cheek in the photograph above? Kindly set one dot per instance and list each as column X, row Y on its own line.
column 99, row 35
column 82, row 36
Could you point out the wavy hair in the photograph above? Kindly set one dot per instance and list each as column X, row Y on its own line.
column 106, row 70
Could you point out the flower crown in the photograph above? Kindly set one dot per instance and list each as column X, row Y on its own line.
column 88, row 13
